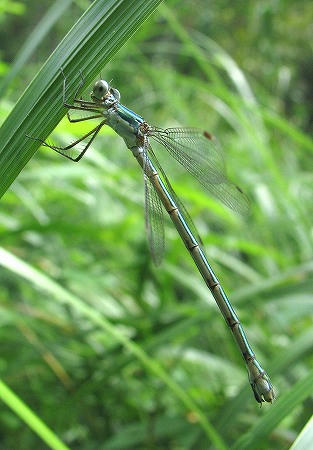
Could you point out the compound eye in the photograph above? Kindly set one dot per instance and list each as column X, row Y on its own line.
column 100, row 88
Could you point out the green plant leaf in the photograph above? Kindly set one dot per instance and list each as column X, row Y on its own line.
column 89, row 45
column 35, row 38
column 305, row 438
column 26, row 414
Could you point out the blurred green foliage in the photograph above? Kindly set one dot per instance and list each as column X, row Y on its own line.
column 242, row 70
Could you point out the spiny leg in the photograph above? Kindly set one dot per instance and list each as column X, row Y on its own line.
column 63, row 150
column 82, row 107
column 98, row 128
column 81, row 84
column 82, row 104
column 96, row 116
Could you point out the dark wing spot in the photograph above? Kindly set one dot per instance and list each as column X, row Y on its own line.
column 207, row 135
column 239, row 189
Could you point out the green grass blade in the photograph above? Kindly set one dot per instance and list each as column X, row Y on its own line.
column 35, row 38
column 305, row 438
column 26, row 414
column 89, row 45
column 60, row 294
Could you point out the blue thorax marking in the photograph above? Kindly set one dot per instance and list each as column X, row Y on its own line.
column 129, row 116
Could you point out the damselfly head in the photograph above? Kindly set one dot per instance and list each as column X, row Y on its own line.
column 102, row 90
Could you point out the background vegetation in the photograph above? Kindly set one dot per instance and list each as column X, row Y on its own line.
column 107, row 350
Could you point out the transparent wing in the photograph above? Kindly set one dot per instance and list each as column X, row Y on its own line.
column 201, row 156
column 154, row 221
column 176, row 199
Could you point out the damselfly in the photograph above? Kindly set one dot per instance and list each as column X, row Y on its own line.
column 198, row 152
